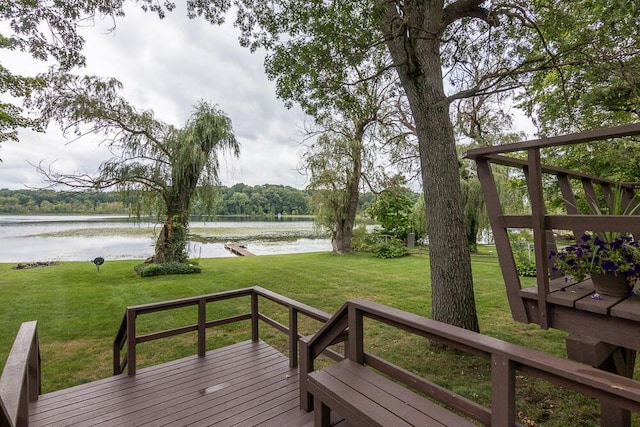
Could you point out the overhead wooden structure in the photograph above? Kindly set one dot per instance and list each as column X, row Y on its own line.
column 603, row 332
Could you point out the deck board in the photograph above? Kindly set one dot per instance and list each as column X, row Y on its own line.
column 245, row 384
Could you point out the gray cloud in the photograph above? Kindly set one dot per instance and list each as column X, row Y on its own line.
column 167, row 66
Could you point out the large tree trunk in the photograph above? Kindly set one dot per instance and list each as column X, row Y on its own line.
column 413, row 40
column 172, row 240
column 343, row 234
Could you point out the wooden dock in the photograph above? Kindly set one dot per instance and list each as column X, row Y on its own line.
column 238, row 249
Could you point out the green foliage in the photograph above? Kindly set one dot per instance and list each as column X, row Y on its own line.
column 264, row 200
column 267, row 199
column 361, row 240
column 393, row 210
column 596, row 80
column 526, row 268
column 154, row 269
column 389, row 248
column 522, row 245
column 419, row 219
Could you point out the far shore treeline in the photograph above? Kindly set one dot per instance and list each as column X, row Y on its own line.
column 239, row 199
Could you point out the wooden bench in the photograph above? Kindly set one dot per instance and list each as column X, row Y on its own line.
column 365, row 398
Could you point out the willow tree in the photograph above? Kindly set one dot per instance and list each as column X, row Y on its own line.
column 165, row 166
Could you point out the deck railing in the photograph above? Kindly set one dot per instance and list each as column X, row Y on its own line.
column 20, row 380
column 506, row 360
column 539, row 221
column 128, row 338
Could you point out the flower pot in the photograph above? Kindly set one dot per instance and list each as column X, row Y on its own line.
column 612, row 285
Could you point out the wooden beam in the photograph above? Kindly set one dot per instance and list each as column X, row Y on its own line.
column 555, row 141
column 534, row 183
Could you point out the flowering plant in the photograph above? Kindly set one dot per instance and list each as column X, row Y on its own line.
column 592, row 255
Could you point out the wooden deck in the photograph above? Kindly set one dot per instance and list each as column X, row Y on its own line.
column 245, row 384
column 238, row 249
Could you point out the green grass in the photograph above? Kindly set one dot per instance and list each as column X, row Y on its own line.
column 80, row 309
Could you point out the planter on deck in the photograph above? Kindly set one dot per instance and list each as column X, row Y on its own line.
column 613, row 285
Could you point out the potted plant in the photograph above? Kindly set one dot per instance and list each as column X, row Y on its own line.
column 613, row 265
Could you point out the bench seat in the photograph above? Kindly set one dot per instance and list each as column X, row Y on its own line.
column 365, row 398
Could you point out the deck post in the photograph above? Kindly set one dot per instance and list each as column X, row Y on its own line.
column 306, row 366
column 131, row 342
column 503, row 402
column 534, row 184
column 202, row 327
column 356, row 344
column 293, row 337
column 321, row 414
column 255, row 317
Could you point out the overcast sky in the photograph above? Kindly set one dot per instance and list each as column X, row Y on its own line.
column 167, row 66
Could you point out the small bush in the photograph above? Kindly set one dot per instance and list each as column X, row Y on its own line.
column 527, row 269
column 149, row 270
column 362, row 241
column 392, row 248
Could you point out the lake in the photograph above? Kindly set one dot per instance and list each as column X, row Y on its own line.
column 30, row 238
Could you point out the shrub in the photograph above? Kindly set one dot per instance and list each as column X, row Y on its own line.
column 527, row 269
column 153, row 269
column 391, row 248
column 362, row 241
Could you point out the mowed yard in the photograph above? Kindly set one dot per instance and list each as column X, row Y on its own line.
column 79, row 311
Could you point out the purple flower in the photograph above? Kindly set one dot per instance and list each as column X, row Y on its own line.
column 608, row 265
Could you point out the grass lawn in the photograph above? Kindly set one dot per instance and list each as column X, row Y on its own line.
column 80, row 309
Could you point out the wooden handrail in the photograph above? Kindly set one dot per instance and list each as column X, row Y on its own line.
column 128, row 338
column 20, row 380
column 556, row 141
column 506, row 359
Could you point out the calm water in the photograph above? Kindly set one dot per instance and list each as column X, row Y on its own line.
column 80, row 238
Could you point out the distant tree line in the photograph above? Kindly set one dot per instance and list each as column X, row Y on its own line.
column 60, row 202
column 239, row 199
column 267, row 199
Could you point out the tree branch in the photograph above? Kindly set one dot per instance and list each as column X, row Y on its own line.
column 468, row 9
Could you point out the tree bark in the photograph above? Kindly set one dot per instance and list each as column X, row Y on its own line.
column 172, row 240
column 413, row 36
column 343, row 234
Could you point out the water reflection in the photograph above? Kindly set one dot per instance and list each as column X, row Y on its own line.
column 36, row 238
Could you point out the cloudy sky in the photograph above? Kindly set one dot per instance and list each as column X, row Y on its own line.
column 167, row 66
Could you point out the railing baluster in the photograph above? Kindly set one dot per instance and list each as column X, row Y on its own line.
column 202, row 327
column 293, row 337
column 131, row 341
column 255, row 331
